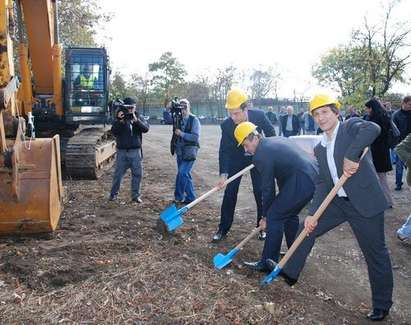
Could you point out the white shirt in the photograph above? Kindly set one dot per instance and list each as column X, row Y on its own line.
column 329, row 145
column 289, row 126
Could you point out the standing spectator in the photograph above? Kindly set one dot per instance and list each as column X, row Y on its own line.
column 388, row 109
column 271, row 115
column 404, row 151
column 187, row 145
column 402, row 119
column 290, row 124
column 128, row 129
column 351, row 112
column 380, row 148
column 309, row 125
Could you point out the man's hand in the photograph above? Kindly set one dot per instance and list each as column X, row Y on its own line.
column 120, row 116
column 263, row 223
column 310, row 224
column 350, row 167
column 177, row 132
column 221, row 181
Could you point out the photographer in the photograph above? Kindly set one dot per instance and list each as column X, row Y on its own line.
column 186, row 148
column 128, row 129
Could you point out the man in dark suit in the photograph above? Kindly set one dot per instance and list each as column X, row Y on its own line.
column 360, row 202
column 289, row 124
column 232, row 158
column 278, row 160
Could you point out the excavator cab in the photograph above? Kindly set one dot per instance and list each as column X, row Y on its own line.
column 86, row 86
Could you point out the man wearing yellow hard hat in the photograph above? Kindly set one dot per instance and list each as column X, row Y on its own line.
column 232, row 158
column 278, row 159
column 360, row 202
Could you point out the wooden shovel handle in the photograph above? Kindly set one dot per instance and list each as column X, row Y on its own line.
column 246, row 239
column 215, row 189
column 316, row 215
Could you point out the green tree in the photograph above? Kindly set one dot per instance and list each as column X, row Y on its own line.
column 78, row 22
column 375, row 58
column 118, row 87
column 168, row 74
column 263, row 82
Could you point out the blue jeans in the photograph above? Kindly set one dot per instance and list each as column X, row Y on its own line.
column 399, row 166
column 184, row 190
column 128, row 159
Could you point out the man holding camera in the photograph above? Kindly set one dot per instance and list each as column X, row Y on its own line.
column 186, row 148
column 128, row 129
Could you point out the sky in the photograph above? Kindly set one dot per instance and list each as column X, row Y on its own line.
column 206, row 35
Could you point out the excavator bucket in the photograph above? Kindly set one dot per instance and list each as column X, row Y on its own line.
column 31, row 191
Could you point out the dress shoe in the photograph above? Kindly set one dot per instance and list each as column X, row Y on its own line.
column 289, row 280
column 258, row 266
column 219, row 236
column 261, row 235
column 377, row 315
column 137, row 199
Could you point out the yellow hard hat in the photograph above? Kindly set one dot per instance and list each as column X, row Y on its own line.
column 322, row 100
column 235, row 98
column 243, row 130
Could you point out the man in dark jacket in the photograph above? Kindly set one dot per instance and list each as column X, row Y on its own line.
column 402, row 119
column 128, row 129
column 232, row 158
column 360, row 202
column 278, row 160
column 290, row 123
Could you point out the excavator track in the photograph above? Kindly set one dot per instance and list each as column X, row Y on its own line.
column 89, row 153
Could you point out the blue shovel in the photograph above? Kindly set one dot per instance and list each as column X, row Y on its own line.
column 317, row 215
column 221, row 260
column 171, row 216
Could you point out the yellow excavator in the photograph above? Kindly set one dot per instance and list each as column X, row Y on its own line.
column 41, row 113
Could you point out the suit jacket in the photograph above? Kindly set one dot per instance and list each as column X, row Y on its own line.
column 296, row 124
column 363, row 188
column 280, row 159
column 232, row 156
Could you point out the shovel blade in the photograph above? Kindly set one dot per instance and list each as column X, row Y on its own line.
column 221, row 260
column 172, row 217
column 271, row 276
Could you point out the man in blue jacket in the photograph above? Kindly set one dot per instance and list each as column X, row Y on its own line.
column 128, row 129
column 278, row 160
column 187, row 146
column 232, row 158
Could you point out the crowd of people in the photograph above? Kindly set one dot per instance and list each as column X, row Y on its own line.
column 285, row 178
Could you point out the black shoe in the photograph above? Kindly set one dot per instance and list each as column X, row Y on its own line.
column 137, row 199
column 398, row 188
column 219, row 236
column 377, row 315
column 262, row 235
column 187, row 202
column 271, row 265
column 258, row 266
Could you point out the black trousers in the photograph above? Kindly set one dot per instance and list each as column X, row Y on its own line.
column 230, row 197
column 282, row 216
column 371, row 239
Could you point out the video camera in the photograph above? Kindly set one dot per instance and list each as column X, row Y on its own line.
column 177, row 116
column 119, row 106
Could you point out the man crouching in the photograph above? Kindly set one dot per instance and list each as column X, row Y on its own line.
column 278, row 159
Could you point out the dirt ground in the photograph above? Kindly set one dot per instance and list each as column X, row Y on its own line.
column 108, row 264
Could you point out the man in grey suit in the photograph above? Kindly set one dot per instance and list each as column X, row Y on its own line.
column 360, row 202
column 278, row 159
